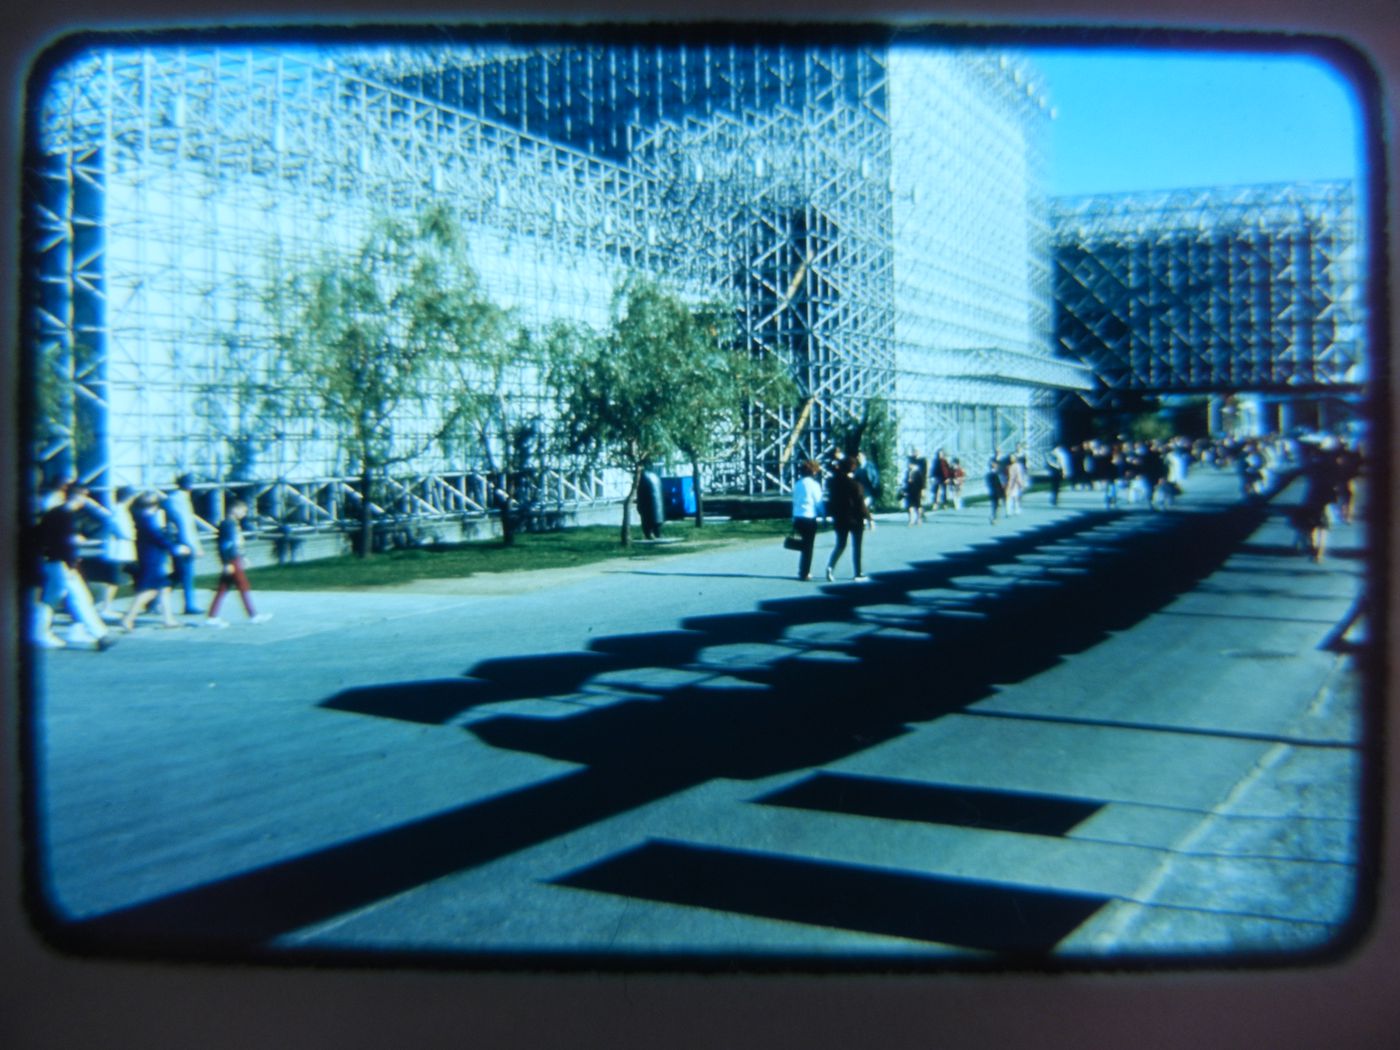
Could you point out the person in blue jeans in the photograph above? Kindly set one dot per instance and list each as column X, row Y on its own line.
column 849, row 514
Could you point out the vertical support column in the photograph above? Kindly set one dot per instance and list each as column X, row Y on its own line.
column 50, row 330
column 89, row 321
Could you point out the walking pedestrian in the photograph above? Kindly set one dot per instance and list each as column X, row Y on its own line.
column 233, row 566
column 956, row 482
column 1017, row 479
column 996, row 487
column 867, row 475
column 942, row 474
column 1057, row 465
column 849, row 514
column 1112, row 469
column 1090, row 466
column 1313, row 516
column 1350, row 463
column 59, row 545
column 1178, row 462
column 118, row 549
column 153, row 552
column 179, row 512
column 1153, row 466
column 806, row 509
column 915, row 481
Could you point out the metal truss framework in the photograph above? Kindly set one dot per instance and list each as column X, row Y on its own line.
column 1252, row 288
column 170, row 185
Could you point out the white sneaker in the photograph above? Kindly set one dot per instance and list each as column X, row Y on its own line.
column 50, row 641
column 828, row 574
column 860, row 579
column 261, row 618
column 215, row 621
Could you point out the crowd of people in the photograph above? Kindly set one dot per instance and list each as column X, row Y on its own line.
column 153, row 539
column 150, row 539
column 1150, row 473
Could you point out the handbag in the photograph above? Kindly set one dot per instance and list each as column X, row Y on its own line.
column 792, row 541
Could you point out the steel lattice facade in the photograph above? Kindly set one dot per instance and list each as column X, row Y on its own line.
column 1237, row 289
column 873, row 210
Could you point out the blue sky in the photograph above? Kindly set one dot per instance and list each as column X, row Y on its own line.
column 1157, row 121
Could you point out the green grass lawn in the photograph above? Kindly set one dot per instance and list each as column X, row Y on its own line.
column 535, row 550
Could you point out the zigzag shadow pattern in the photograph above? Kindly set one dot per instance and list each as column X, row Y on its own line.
column 809, row 704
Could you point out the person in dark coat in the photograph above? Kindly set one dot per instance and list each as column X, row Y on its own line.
column 846, row 506
column 233, row 566
column 867, row 475
column 996, row 487
column 154, row 550
column 59, row 544
column 915, row 481
column 1312, row 518
column 1349, row 463
column 942, row 474
column 649, row 507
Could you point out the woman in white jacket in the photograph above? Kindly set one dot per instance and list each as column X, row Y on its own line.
column 1017, row 478
column 806, row 509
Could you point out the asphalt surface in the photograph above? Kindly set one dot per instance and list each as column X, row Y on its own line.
column 1076, row 735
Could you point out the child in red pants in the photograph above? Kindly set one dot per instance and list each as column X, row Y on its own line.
column 231, row 555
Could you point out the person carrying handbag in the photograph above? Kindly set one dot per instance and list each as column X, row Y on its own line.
column 806, row 509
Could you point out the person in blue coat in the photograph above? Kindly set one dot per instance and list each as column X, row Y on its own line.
column 154, row 549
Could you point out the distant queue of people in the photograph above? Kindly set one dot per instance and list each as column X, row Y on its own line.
column 1148, row 473
column 148, row 538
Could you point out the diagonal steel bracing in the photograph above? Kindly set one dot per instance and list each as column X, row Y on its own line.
column 873, row 211
column 1254, row 288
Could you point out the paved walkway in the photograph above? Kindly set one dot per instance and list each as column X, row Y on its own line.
column 1077, row 732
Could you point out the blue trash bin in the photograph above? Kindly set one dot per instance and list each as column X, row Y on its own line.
column 678, row 497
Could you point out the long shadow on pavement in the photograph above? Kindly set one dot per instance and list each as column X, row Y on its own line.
column 794, row 684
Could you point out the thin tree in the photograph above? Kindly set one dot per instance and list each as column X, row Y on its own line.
column 379, row 336
column 502, row 412
column 617, row 393
column 715, row 385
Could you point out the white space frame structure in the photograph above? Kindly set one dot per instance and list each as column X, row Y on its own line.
column 1252, row 290
column 873, row 209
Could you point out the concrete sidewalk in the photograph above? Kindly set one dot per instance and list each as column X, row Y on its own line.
column 1073, row 733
